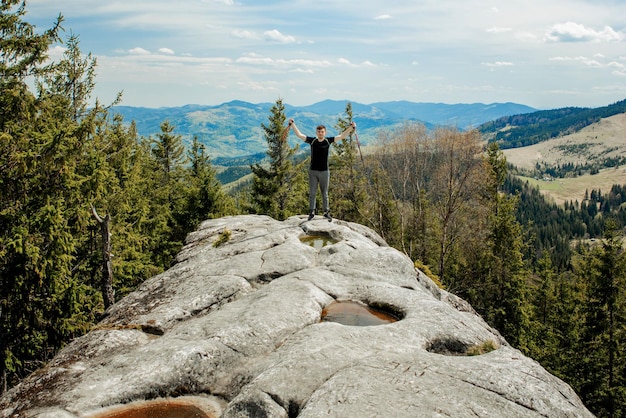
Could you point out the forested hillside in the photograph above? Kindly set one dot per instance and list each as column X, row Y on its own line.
column 88, row 205
column 526, row 129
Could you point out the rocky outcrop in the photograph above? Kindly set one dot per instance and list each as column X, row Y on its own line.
column 235, row 329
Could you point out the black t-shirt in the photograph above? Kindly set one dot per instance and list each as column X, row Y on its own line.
column 319, row 152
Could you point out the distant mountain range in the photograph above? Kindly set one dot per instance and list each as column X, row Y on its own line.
column 232, row 130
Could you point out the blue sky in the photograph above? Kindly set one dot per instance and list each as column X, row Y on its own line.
column 542, row 53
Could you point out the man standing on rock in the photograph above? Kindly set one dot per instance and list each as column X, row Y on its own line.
column 319, row 174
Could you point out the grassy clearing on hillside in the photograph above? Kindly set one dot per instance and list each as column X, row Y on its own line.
column 561, row 190
column 603, row 139
column 606, row 138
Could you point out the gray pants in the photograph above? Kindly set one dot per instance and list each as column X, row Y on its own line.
column 321, row 178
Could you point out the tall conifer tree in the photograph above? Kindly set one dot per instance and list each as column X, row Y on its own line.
column 505, row 300
column 603, row 341
column 37, row 162
column 204, row 196
column 278, row 185
column 349, row 177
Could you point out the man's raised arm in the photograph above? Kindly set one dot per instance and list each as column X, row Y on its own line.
column 345, row 133
column 296, row 131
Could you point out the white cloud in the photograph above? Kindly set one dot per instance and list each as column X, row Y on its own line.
column 312, row 63
column 257, row 59
column 587, row 61
column 382, row 17
column 347, row 62
column 498, row 64
column 576, row 32
column 138, row 51
column 594, row 63
column 56, row 52
column 244, row 34
column 303, row 70
column 276, row 36
column 166, row 51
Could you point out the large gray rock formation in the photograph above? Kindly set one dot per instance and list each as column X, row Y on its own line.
column 234, row 329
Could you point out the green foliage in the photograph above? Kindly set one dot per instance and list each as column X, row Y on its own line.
column 484, row 348
column 204, row 196
column 426, row 270
column 37, row 205
column 552, row 228
column 348, row 174
column 222, row 238
column 603, row 339
column 168, row 151
column 233, row 174
column 59, row 156
column 278, row 186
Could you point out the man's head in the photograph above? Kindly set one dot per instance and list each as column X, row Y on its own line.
column 320, row 131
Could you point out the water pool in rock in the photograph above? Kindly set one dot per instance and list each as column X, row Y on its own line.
column 356, row 314
column 317, row 241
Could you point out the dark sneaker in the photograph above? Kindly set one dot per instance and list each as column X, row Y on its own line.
column 327, row 216
column 311, row 215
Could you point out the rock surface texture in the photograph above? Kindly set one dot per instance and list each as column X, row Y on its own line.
column 234, row 329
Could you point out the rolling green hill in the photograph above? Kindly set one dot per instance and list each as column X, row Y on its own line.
column 564, row 168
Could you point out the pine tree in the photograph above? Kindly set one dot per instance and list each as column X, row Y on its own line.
column 168, row 149
column 132, row 198
column 40, row 213
column 278, row 186
column 557, row 320
column 349, row 176
column 204, row 196
column 506, row 298
column 603, row 340
column 544, row 300
column 168, row 205
column 70, row 86
column 508, row 311
column 73, row 79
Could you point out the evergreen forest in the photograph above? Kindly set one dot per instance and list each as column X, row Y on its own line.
column 89, row 209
